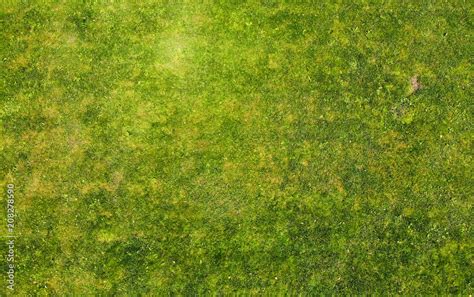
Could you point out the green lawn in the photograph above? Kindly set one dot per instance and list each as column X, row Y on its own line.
column 265, row 148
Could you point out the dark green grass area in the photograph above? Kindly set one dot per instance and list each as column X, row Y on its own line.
column 260, row 148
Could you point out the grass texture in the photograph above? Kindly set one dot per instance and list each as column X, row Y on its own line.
column 251, row 148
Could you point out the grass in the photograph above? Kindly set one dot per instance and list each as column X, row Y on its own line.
column 256, row 148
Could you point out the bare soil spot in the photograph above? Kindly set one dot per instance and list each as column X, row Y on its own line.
column 415, row 84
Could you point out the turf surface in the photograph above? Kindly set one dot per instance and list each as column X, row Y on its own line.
column 198, row 147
